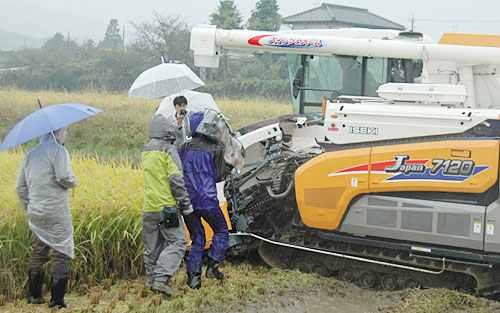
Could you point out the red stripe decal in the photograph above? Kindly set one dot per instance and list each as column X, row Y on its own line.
column 255, row 40
column 417, row 161
column 380, row 166
column 354, row 169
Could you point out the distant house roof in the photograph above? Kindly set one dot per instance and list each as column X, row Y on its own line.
column 342, row 15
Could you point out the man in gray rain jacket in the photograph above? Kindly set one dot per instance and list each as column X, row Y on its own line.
column 42, row 187
column 165, row 197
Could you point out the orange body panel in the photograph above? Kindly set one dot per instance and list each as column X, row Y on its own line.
column 326, row 184
column 209, row 233
column 482, row 152
column 323, row 199
column 470, row 39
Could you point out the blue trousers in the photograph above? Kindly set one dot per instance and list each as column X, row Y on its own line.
column 215, row 218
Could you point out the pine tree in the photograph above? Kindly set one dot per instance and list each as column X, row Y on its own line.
column 226, row 16
column 265, row 16
column 112, row 38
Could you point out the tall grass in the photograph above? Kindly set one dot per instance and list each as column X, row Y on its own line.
column 105, row 204
column 106, row 218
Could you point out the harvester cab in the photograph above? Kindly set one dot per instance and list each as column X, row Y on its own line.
column 389, row 165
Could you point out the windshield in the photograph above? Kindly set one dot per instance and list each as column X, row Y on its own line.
column 316, row 78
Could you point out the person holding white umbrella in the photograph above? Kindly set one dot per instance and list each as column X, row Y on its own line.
column 198, row 101
column 181, row 120
column 176, row 107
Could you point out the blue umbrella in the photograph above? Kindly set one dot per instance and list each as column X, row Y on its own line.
column 46, row 120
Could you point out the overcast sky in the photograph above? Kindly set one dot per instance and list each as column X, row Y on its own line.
column 84, row 19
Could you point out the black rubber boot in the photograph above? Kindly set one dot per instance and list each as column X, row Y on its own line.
column 213, row 270
column 194, row 280
column 58, row 284
column 35, row 282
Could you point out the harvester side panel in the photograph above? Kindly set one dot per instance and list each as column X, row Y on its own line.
column 323, row 196
column 326, row 184
column 492, row 231
column 416, row 220
column 469, row 166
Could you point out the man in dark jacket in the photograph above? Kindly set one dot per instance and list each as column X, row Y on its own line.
column 204, row 166
column 165, row 197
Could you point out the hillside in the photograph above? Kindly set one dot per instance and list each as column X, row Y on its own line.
column 14, row 41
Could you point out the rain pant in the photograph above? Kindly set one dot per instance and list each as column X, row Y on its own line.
column 40, row 255
column 203, row 164
column 164, row 247
column 42, row 187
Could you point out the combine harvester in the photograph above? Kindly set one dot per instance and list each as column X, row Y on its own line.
column 388, row 172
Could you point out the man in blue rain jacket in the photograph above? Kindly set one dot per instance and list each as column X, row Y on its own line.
column 203, row 164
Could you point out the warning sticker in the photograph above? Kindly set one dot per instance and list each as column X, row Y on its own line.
column 490, row 229
column 477, row 227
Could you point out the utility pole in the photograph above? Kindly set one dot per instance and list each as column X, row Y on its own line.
column 123, row 36
column 412, row 22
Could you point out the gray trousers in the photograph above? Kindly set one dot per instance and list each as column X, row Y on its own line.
column 164, row 247
column 40, row 255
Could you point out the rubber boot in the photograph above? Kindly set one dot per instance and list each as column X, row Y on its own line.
column 213, row 270
column 35, row 282
column 58, row 284
column 194, row 280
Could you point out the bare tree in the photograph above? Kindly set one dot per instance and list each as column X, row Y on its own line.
column 166, row 36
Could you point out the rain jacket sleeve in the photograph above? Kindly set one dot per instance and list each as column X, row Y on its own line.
column 22, row 189
column 62, row 168
column 177, row 182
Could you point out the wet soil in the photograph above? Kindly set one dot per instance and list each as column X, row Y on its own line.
column 345, row 298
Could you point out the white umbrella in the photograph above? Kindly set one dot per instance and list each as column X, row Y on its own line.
column 164, row 79
column 197, row 101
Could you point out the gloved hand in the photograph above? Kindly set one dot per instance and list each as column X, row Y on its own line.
column 188, row 211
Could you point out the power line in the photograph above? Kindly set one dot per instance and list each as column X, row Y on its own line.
column 413, row 19
column 457, row 21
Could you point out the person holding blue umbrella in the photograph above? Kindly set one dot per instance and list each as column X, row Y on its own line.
column 42, row 187
column 45, row 176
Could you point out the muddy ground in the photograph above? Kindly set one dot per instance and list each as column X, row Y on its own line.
column 346, row 298
column 248, row 289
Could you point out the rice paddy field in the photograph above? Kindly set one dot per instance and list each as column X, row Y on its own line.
column 107, row 271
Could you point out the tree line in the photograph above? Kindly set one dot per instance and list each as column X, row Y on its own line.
column 110, row 65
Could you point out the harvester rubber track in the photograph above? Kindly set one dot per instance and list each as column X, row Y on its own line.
column 373, row 267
